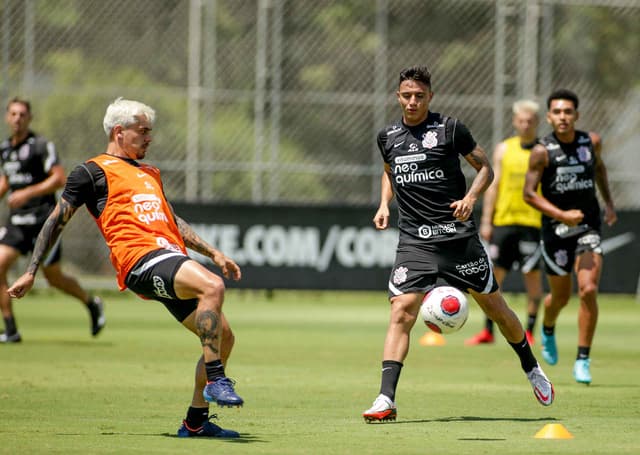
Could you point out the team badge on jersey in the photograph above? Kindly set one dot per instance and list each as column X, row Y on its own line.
column 561, row 258
column 400, row 275
column 584, row 154
column 430, row 139
column 23, row 153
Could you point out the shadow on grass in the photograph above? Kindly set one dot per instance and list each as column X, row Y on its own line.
column 475, row 419
column 482, row 439
column 611, row 386
column 92, row 343
column 243, row 439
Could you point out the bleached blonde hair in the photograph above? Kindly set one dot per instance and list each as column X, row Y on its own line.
column 124, row 113
column 525, row 105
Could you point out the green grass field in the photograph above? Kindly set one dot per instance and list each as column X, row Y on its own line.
column 307, row 365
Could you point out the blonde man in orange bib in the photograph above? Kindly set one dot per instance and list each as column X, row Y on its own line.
column 148, row 244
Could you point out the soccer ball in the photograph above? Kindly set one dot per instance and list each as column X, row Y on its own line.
column 444, row 309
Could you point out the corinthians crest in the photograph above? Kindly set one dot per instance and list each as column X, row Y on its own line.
column 430, row 139
column 584, row 154
column 400, row 275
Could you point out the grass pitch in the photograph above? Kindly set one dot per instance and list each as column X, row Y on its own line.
column 307, row 365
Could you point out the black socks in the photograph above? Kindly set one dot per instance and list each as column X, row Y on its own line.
column 390, row 375
column 583, row 352
column 531, row 322
column 527, row 360
column 215, row 370
column 488, row 324
column 10, row 326
column 196, row 417
column 548, row 330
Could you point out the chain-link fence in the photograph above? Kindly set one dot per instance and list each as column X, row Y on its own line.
column 278, row 101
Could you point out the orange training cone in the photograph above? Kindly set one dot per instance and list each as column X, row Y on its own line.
column 431, row 338
column 553, row 431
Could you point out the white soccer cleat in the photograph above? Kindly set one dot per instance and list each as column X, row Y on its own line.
column 383, row 409
column 542, row 387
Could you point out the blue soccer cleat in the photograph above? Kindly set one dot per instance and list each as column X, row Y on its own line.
column 221, row 392
column 206, row 430
column 582, row 371
column 549, row 348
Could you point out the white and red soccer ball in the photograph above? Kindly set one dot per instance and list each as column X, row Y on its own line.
column 444, row 309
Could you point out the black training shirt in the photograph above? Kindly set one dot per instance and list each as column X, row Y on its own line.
column 568, row 181
column 26, row 164
column 427, row 177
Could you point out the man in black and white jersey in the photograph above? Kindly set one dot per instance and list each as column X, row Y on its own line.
column 568, row 166
column 438, row 236
column 31, row 174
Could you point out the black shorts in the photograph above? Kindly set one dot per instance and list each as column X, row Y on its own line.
column 462, row 263
column 559, row 253
column 515, row 247
column 152, row 278
column 23, row 238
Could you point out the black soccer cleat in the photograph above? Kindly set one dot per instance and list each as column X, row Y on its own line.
column 206, row 430
column 13, row 338
column 96, row 310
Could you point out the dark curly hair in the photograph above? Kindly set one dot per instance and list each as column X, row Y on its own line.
column 563, row 94
column 416, row 73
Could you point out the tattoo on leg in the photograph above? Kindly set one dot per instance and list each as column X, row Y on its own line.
column 207, row 325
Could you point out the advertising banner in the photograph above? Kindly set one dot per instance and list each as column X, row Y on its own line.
column 280, row 247
column 324, row 247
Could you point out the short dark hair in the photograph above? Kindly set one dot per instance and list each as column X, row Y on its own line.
column 563, row 94
column 416, row 73
column 18, row 100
